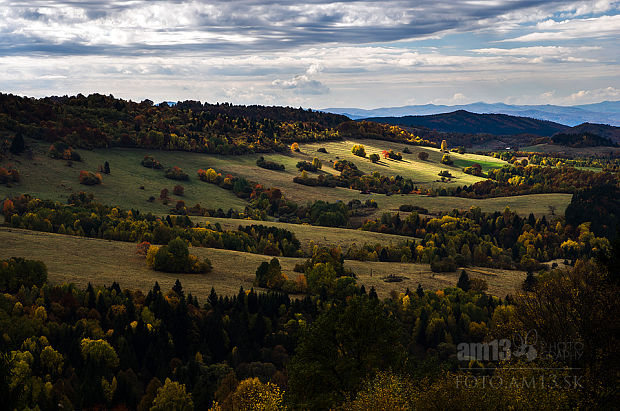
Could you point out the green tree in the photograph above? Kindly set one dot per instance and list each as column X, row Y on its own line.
column 17, row 145
column 172, row 397
column 252, row 394
column 464, row 283
column 374, row 157
column 345, row 345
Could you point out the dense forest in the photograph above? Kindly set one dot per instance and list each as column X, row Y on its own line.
column 107, row 347
column 104, row 121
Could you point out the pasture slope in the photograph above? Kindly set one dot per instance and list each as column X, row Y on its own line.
column 81, row 260
column 53, row 179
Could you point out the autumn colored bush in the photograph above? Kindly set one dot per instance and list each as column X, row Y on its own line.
column 150, row 162
column 61, row 150
column 359, row 150
column 90, row 179
column 9, row 175
column 175, row 173
column 178, row 190
column 175, row 258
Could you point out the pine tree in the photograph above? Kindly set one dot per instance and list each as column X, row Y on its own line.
column 464, row 283
column 17, row 145
column 106, row 168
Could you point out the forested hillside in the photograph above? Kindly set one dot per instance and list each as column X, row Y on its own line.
column 104, row 121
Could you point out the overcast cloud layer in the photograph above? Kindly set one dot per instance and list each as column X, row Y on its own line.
column 315, row 53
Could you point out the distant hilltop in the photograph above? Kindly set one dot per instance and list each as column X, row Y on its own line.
column 606, row 112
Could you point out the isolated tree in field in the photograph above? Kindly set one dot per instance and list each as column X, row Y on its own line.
column 359, row 150
column 374, row 158
column 316, row 163
column 423, row 155
column 446, row 159
column 163, row 194
column 178, row 190
column 464, row 283
column 444, row 145
column 90, row 179
column 295, row 147
column 106, row 168
column 17, row 145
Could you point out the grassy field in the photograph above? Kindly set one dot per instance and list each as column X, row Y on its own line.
column 53, row 179
column 82, row 260
column 309, row 235
column 423, row 173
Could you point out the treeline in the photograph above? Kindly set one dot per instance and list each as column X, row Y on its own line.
column 107, row 347
column 104, row 121
column 86, row 217
column 499, row 239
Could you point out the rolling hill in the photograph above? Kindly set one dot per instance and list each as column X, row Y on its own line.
column 606, row 112
column 462, row 121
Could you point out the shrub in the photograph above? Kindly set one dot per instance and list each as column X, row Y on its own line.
column 359, row 150
column 143, row 248
column 175, row 173
column 423, row 155
column 295, row 147
column 444, row 265
column 150, row 162
column 445, row 173
column 341, row 165
column 269, row 165
column 61, row 150
column 269, row 275
column 391, row 154
column 322, row 150
column 406, row 150
column 163, row 193
column 374, row 157
column 17, row 145
column 475, row 170
column 305, row 166
column 446, row 159
column 210, row 175
column 178, row 190
column 316, row 163
column 90, row 179
column 8, row 175
column 175, row 258
column 16, row 272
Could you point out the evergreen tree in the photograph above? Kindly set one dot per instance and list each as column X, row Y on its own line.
column 17, row 145
column 106, row 168
column 464, row 283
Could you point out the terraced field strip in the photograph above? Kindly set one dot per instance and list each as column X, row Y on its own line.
column 81, row 260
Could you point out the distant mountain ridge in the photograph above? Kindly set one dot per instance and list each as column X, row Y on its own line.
column 606, row 112
column 462, row 121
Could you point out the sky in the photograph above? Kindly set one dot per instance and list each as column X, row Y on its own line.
column 316, row 53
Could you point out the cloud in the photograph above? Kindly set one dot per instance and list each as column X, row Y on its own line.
column 596, row 95
column 303, row 83
column 595, row 27
column 457, row 98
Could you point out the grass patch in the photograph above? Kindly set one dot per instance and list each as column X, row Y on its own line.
column 82, row 260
